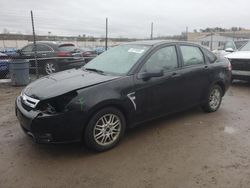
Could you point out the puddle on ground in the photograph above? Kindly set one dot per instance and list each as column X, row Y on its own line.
column 229, row 130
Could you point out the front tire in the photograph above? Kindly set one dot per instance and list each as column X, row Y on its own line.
column 213, row 100
column 105, row 129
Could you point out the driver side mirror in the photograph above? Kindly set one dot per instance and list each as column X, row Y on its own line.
column 229, row 50
column 151, row 73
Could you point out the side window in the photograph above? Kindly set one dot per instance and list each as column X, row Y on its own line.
column 28, row 48
column 192, row 55
column 211, row 57
column 43, row 48
column 165, row 59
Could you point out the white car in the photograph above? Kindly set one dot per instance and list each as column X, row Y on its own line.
column 229, row 47
column 240, row 61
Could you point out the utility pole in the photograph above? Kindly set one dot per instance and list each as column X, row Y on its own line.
column 152, row 30
column 106, row 38
column 34, row 42
column 234, row 35
column 186, row 33
column 211, row 45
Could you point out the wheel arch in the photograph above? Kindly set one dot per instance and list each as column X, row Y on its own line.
column 222, row 85
column 105, row 104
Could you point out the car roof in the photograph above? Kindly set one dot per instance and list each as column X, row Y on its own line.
column 55, row 44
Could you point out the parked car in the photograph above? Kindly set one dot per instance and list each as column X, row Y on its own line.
column 88, row 54
column 4, row 65
column 52, row 57
column 8, row 51
column 99, row 50
column 229, row 47
column 125, row 86
column 240, row 61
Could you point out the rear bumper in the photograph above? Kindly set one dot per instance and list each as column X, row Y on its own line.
column 44, row 128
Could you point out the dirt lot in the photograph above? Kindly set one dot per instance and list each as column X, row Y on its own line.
column 186, row 150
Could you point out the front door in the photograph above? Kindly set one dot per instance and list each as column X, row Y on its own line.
column 159, row 95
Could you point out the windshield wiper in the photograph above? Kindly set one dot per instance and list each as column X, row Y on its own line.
column 94, row 70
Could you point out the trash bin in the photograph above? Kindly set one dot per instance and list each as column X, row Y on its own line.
column 19, row 72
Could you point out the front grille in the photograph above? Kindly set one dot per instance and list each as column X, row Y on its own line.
column 26, row 107
column 28, row 101
column 240, row 64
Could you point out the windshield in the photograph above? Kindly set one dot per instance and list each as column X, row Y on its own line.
column 118, row 60
column 229, row 44
column 246, row 47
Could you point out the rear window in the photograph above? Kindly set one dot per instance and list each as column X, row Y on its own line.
column 211, row 57
column 67, row 47
column 191, row 55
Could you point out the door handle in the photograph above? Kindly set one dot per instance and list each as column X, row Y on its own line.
column 206, row 67
column 175, row 75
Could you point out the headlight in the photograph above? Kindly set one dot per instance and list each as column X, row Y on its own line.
column 56, row 104
column 47, row 108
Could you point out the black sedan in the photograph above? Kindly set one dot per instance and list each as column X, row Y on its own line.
column 51, row 56
column 123, row 87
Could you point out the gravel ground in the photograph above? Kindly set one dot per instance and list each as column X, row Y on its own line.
column 187, row 150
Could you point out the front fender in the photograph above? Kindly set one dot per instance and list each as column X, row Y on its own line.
column 90, row 100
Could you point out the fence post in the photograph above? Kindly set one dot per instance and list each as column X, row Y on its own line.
column 152, row 31
column 211, row 45
column 34, row 42
column 186, row 33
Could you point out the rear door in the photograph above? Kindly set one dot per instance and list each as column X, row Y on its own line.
column 195, row 73
column 44, row 51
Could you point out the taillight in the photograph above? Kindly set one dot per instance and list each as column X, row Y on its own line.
column 63, row 54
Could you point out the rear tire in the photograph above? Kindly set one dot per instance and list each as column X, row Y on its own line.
column 105, row 129
column 50, row 67
column 213, row 99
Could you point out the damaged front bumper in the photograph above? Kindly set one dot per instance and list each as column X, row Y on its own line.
column 49, row 128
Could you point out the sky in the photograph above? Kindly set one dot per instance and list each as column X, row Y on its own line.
column 127, row 18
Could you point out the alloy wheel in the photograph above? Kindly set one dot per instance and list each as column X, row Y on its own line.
column 50, row 68
column 107, row 129
column 215, row 98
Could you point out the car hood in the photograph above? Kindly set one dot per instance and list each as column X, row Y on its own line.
column 60, row 83
column 239, row 55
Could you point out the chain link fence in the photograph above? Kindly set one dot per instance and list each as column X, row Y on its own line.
column 50, row 54
column 57, row 56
